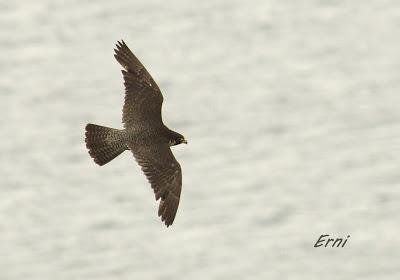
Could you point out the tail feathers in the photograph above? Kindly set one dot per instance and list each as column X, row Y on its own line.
column 104, row 143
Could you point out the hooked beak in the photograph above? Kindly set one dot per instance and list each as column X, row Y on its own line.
column 184, row 141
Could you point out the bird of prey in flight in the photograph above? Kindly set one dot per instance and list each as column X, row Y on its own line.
column 144, row 134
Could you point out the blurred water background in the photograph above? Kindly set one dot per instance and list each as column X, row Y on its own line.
column 291, row 110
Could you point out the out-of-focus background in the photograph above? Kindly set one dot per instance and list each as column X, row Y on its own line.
column 291, row 110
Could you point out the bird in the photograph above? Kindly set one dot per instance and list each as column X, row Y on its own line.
column 143, row 133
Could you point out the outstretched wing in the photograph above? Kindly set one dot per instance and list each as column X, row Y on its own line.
column 143, row 98
column 165, row 176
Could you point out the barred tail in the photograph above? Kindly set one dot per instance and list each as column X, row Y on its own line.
column 104, row 143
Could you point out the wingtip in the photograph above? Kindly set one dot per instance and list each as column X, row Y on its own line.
column 118, row 46
column 120, row 43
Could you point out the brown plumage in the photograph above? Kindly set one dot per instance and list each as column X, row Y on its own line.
column 144, row 134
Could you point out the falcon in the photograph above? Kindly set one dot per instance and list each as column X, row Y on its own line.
column 144, row 134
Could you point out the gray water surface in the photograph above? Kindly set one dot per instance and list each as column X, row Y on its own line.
column 291, row 110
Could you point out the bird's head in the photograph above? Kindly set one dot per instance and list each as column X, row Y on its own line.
column 176, row 139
